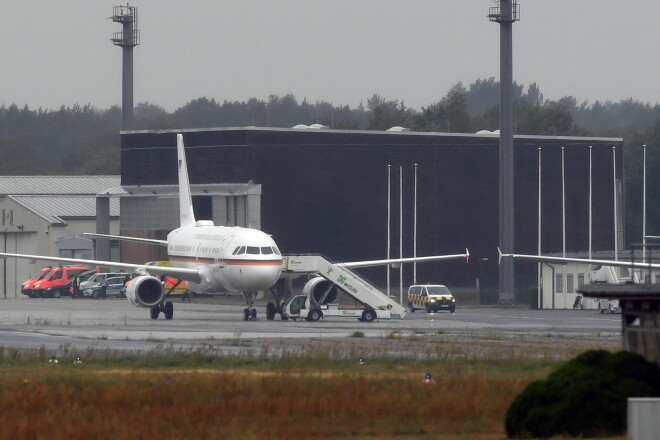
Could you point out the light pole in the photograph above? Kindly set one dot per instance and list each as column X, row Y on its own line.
column 590, row 200
column 401, row 233
column 415, row 232
column 389, row 221
column 563, row 224
column 616, row 225
column 539, row 274
column 644, row 207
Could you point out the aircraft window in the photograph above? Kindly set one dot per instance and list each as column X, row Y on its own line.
column 236, row 250
column 241, row 250
column 266, row 250
column 276, row 250
column 253, row 250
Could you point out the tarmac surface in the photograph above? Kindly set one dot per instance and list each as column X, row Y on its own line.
column 113, row 324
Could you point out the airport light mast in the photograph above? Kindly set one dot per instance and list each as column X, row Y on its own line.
column 506, row 13
column 127, row 39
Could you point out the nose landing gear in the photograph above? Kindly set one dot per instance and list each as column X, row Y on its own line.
column 250, row 312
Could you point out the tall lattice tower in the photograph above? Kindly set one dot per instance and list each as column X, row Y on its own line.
column 127, row 38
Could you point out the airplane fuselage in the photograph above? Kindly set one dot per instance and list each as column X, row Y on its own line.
column 229, row 259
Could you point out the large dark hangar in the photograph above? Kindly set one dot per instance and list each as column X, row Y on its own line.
column 326, row 191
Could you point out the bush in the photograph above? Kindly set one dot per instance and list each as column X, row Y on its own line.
column 586, row 397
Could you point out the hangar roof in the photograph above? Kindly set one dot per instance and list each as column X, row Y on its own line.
column 35, row 185
column 339, row 132
column 56, row 208
column 211, row 189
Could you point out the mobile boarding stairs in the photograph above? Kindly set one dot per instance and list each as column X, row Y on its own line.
column 320, row 293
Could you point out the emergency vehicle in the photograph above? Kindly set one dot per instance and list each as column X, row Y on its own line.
column 26, row 287
column 54, row 285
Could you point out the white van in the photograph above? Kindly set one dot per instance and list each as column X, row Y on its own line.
column 432, row 297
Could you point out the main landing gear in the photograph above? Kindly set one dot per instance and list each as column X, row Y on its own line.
column 166, row 307
column 272, row 309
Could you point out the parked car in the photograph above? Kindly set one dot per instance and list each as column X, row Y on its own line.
column 96, row 279
column 53, row 285
column 28, row 286
column 84, row 276
column 609, row 306
column 113, row 287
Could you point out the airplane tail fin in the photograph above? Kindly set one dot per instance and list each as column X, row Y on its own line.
column 187, row 216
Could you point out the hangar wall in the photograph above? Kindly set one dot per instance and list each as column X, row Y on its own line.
column 325, row 191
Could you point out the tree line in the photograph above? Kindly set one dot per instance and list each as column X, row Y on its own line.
column 85, row 140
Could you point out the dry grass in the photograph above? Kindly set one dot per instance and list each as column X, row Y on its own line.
column 61, row 403
column 320, row 392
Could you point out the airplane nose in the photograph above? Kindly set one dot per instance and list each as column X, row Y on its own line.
column 257, row 278
column 268, row 276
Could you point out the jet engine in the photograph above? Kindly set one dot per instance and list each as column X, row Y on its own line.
column 145, row 291
column 322, row 290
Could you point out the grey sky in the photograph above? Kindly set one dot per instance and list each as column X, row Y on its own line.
column 59, row 52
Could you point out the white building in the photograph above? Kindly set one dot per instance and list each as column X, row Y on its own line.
column 560, row 282
column 45, row 215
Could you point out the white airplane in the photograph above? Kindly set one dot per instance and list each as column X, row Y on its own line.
column 209, row 258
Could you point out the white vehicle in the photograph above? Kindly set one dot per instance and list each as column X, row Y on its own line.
column 300, row 307
column 432, row 297
column 609, row 305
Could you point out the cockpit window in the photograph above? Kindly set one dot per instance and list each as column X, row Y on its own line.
column 254, row 250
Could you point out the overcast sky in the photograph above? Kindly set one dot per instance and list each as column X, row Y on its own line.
column 59, row 52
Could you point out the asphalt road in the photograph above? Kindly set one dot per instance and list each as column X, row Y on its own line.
column 114, row 324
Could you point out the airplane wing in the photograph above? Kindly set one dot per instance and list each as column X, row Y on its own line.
column 565, row 260
column 192, row 275
column 399, row 261
column 125, row 238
